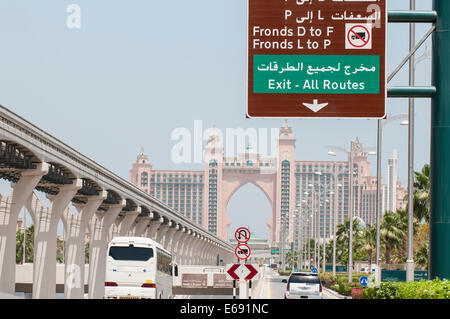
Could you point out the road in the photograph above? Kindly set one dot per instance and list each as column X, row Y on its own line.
column 273, row 287
column 270, row 286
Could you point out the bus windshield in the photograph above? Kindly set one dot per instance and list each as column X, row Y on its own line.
column 130, row 253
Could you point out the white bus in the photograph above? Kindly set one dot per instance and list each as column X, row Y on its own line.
column 138, row 268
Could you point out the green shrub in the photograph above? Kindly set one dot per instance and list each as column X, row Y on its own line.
column 369, row 293
column 284, row 272
column 328, row 278
column 387, row 290
column 424, row 289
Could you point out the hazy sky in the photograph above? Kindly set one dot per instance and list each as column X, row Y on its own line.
column 137, row 70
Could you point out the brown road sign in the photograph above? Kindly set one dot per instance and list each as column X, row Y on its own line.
column 316, row 58
column 194, row 280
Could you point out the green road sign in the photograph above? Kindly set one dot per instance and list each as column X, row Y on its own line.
column 329, row 268
column 330, row 74
column 400, row 275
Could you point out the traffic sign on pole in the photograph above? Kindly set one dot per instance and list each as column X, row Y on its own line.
column 242, row 251
column 242, row 272
column 242, row 235
column 231, row 271
column 316, row 59
column 363, row 281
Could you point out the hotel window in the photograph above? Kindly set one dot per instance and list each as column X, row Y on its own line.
column 144, row 179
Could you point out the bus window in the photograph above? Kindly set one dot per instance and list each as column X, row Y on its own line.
column 130, row 253
column 164, row 261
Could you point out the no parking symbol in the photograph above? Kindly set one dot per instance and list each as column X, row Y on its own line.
column 358, row 36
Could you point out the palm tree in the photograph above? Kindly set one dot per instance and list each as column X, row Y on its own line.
column 422, row 194
column 368, row 241
column 342, row 238
column 421, row 257
column 392, row 233
column 29, row 247
column 292, row 258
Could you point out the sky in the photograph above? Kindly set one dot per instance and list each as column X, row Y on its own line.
column 137, row 70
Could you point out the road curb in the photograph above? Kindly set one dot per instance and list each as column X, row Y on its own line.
column 334, row 293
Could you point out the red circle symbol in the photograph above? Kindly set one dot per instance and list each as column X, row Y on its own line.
column 242, row 251
column 357, row 36
column 242, row 235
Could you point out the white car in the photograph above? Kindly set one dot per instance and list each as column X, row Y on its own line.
column 303, row 285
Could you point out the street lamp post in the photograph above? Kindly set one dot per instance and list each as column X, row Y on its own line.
column 381, row 124
column 309, row 216
column 350, row 243
column 299, row 237
column 314, row 223
column 335, row 208
column 282, row 240
column 317, row 223
column 324, row 241
column 355, row 147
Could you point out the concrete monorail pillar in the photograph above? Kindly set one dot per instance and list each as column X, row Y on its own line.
column 126, row 223
column 167, row 241
column 175, row 243
column 162, row 230
column 9, row 213
column 153, row 228
column 141, row 226
column 100, row 229
column 75, row 245
column 46, row 224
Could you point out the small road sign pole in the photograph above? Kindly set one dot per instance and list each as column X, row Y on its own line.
column 440, row 146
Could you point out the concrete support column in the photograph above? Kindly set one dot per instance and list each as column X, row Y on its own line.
column 75, row 245
column 210, row 255
column 9, row 213
column 194, row 250
column 162, row 230
column 182, row 247
column 141, row 226
column 191, row 241
column 46, row 223
column 153, row 228
column 175, row 243
column 167, row 241
column 197, row 253
column 203, row 253
column 126, row 223
column 100, row 229
column 187, row 250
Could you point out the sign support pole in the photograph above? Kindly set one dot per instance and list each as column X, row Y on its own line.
column 440, row 146
column 412, row 67
column 234, row 289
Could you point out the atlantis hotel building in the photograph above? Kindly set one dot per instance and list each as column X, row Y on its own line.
column 304, row 195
